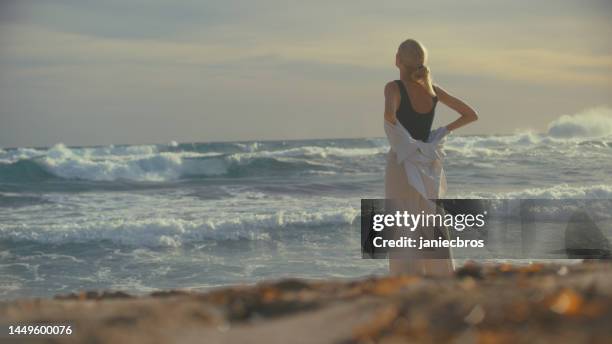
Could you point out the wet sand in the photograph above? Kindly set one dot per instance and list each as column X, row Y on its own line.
column 481, row 304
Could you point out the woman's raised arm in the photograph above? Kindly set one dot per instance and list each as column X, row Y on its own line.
column 468, row 115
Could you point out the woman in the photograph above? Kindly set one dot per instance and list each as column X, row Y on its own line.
column 410, row 104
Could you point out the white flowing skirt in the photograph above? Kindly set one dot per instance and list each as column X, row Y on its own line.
column 400, row 195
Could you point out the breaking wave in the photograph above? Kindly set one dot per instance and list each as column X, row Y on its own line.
column 587, row 134
column 594, row 122
column 149, row 163
column 176, row 231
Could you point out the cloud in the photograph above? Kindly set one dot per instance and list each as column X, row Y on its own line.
column 42, row 47
column 538, row 66
column 73, row 60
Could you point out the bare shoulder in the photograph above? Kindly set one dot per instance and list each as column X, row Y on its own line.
column 440, row 91
column 391, row 88
column 444, row 96
column 392, row 92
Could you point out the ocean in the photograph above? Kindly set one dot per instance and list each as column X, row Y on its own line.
column 140, row 218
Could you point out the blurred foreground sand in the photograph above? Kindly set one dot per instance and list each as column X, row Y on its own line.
column 481, row 304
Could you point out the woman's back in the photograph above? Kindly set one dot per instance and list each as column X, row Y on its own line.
column 416, row 110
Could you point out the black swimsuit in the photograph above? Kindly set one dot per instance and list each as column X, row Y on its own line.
column 417, row 124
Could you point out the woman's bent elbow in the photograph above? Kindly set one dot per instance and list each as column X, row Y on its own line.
column 473, row 117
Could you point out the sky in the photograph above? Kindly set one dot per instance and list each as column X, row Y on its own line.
column 89, row 72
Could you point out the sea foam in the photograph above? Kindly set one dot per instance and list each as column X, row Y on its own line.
column 177, row 231
column 594, row 122
column 561, row 191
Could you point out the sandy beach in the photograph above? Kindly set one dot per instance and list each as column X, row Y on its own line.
column 481, row 304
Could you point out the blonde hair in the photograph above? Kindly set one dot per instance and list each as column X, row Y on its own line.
column 412, row 57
